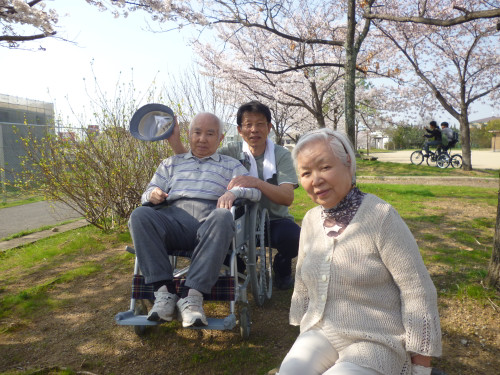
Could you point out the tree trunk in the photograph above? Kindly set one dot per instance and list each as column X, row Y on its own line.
column 493, row 277
column 320, row 119
column 350, row 73
column 465, row 141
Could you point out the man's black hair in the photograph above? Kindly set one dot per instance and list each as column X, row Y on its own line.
column 433, row 123
column 255, row 107
column 444, row 124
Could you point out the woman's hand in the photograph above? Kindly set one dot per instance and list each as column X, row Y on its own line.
column 421, row 365
column 421, row 360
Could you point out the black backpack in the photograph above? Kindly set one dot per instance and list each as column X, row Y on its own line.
column 453, row 141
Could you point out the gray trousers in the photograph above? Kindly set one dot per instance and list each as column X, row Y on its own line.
column 186, row 224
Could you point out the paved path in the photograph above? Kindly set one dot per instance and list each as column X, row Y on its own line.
column 34, row 215
column 33, row 237
column 481, row 159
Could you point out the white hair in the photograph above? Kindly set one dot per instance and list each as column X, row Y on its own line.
column 219, row 122
column 338, row 142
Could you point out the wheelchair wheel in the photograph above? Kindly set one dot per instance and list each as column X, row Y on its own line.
column 432, row 159
column 417, row 157
column 456, row 161
column 140, row 309
column 259, row 266
column 443, row 161
column 245, row 323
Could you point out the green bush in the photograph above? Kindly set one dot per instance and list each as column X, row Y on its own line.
column 101, row 176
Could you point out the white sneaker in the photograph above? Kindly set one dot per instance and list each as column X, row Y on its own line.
column 191, row 309
column 164, row 307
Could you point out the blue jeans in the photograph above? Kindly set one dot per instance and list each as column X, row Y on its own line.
column 431, row 143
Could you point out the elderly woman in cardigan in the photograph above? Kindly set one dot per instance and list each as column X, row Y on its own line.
column 363, row 298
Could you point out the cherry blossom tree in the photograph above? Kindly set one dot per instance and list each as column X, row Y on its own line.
column 453, row 67
column 22, row 21
column 316, row 23
column 260, row 66
column 457, row 65
column 304, row 23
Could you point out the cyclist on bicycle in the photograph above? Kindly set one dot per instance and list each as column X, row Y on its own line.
column 433, row 132
column 448, row 134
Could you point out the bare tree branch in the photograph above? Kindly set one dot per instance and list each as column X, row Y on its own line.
column 272, row 30
column 297, row 67
column 24, row 38
column 467, row 17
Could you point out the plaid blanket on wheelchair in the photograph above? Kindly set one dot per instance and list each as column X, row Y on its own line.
column 223, row 290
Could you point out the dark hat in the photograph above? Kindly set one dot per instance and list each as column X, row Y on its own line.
column 152, row 122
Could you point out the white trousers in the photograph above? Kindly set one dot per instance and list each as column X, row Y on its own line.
column 313, row 354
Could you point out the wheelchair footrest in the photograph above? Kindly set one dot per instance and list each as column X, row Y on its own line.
column 127, row 318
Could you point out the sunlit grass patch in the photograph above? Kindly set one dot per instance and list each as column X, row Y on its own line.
column 429, row 237
column 435, row 220
column 377, row 168
column 58, row 248
column 36, row 299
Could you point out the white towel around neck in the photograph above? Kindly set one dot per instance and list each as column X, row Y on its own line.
column 269, row 164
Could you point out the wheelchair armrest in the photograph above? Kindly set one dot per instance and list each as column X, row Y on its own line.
column 241, row 202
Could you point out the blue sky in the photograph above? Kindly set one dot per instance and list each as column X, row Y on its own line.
column 113, row 46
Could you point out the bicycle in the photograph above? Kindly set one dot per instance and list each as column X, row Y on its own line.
column 444, row 160
column 417, row 157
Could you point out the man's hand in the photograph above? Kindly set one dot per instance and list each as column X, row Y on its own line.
column 226, row 201
column 157, row 196
column 279, row 194
column 244, row 181
column 175, row 139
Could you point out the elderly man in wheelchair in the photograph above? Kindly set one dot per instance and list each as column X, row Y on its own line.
column 186, row 207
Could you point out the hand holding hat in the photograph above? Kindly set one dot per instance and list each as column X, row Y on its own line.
column 152, row 122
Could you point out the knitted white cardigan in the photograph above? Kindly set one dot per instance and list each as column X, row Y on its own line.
column 368, row 288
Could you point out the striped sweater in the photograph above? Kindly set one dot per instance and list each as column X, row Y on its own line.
column 186, row 176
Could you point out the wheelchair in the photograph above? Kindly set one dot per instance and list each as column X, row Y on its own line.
column 250, row 247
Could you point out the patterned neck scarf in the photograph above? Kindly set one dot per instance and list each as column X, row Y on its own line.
column 336, row 219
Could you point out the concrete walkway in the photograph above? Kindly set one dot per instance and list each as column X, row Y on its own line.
column 33, row 216
column 33, row 237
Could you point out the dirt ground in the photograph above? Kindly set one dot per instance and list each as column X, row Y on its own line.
column 79, row 332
